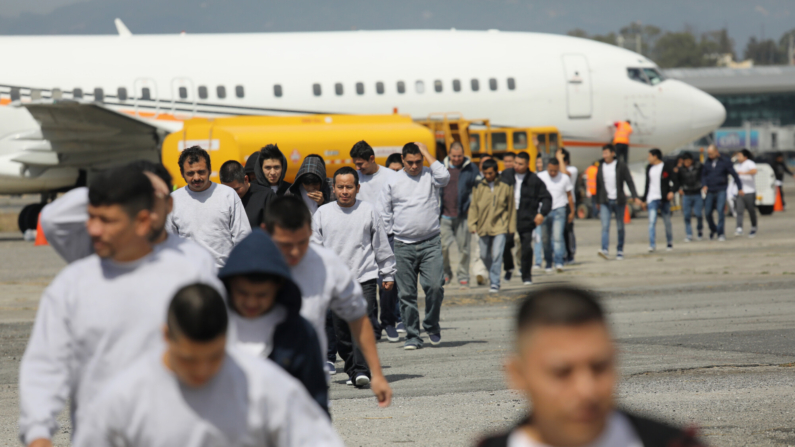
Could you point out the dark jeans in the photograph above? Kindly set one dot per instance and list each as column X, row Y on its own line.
column 606, row 210
column 715, row 201
column 693, row 205
column 355, row 362
column 569, row 240
column 507, row 254
column 390, row 305
column 527, row 255
column 622, row 151
column 423, row 259
column 331, row 349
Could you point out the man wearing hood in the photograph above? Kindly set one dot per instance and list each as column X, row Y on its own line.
column 255, row 202
column 264, row 309
column 311, row 184
column 272, row 169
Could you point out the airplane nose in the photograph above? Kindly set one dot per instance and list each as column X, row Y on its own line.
column 706, row 112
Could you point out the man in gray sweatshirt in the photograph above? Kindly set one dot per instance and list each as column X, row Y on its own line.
column 103, row 311
column 207, row 213
column 409, row 206
column 352, row 229
column 198, row 392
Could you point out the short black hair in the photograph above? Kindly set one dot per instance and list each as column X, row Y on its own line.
column 347, row 170
column 609, row 147
column 559, row 306
column 509, row 154
column 270, row 152
column 411, row 148
column 565, row 155
column 394, row 158
column 309, row 179
column 232, row 171
column 490, row 164
column 457, row 144
column 362, row 150
column 129, row 188
column 155, row 168
column 747, row 154
column 657, row 153
column 629, row 122
column 524, row 156
column 553, row 161
column 687, row 156
column 192, row 155
column 197, row 312
column 287, row 212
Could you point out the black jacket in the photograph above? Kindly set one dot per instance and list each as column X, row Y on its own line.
column 622, row 176
column 650, row 432
column 690, row 178
column 534, row 199
column 262, row 182
column 668, row 181
column 314, row 165
column 468, row 178
column 255, row 203
column 295, row 344
column 716, row 178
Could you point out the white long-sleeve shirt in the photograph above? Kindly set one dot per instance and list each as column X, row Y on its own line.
column 327, row 282
column 94, row 319
column 214, row 218
column 250, row 403
column 409, row 205
column 357, row 235
column 370, row 186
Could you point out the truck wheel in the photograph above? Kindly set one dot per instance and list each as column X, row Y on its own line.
column 765, row 210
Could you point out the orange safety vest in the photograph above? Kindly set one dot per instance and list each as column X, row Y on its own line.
column 623, row 130
column 590, row 179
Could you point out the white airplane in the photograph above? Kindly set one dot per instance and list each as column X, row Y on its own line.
column 77, row 103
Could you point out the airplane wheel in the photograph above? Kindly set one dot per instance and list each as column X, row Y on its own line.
column 29, row 217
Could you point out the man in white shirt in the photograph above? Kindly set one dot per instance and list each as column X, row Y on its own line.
column 409, row 206
column 326, row 283
column 569, row 239
column 661, row 182
column 611, row 176
column 198, row 391
column 560, row 187
column 207, row 213
column 747, row 172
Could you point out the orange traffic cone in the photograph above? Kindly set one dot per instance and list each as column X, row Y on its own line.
column 627, row 215
column 40, row 239
column 779, row 204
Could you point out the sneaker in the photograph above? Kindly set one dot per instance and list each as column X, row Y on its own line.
column 435, row 339
column 548, row 269
column 738, row 232
column 528, row 283
column 494, row 290
column 700, row 236
column 537, row 267
column 752, row 233
column 464, row 284
column 411, row 346
column 688, row 239
column 602, row 254
column 362, row 380
column 651, row 249
column 392, row 334
column 400, row 328
column 446, row 280
column 721, row 238
column 669, row 247
column 619, row 256
column 349, row 382
column 481, row 280
column 508, row 275
column 331, row 368
column 712, row 235
column 559, row 268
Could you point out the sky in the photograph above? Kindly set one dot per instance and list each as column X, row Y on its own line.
column 743, row 18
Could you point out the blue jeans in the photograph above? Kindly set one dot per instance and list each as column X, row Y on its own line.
column 538, row 249
column 693, row 204
column 552, row 228
column 660, row 208
column 491, row 248
column 423, row 259
column 605, row 211
column 715, row 199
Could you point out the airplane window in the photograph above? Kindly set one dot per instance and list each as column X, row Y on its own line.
column 475, row 85
column 359, row 88
column 401, row 87
column 99, row 95
column 239, row 92
column 220, row 91
column 146, row 94
column 77, row 93
column 338, row 89
column 316, row 89
column 202, row 92
column 636, row 74
column 654, row 76
column 379, row 88
column 437, row 86
column 183, row 92
column 121, row 93
column 511, row 84
column 57, row 93
column 456, row 85
column 277, row 90
column 419, row 86
column 493, row 84
column 499, row 141
column 35, row 93
column 474, row 143
column 15, row 94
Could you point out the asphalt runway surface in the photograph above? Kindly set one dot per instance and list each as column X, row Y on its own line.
column 705, row 334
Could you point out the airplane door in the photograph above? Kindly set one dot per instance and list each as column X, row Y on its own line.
column 183, row 98
column 578, row 85
column 641, row 111
column 147, row 101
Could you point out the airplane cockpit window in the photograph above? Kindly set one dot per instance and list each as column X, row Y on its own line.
column 360, row 88
column 456, row 85
column 511, row 84
column 338, row 89
column 437, row 86
column 57, row 93
column 121, row 92
column 277, row 90
column 493, row 84
column 220, row 91
column 239, row 91
column 475, row 85
column 379, row 88
column 654, row 76
column 636, row 74
column 183, row 93
column 202, row 92
column 419, row 86
column 77, row 93
column 99, row 95
column 316, row 90
column 401, row 87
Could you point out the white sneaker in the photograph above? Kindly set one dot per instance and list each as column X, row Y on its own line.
column 620, row 256
column 548, row 269
column 602, row 254
column 537, row 267
column 528, row 283
column 721, row 238
column 494, row 290
column 362, row 380
column 752, row 233
column 669, row 248
column 559, row 268
column 738, row 232
column 688, row 239
column 651, row 249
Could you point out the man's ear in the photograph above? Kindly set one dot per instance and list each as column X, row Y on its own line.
column 169, row 205
column 166, row 337
column 513, row 371
column 372, row 159
column 143, row 223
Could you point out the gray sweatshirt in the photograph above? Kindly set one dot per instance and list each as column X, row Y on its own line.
column 409, row 205
column 214, row 218
column 250, row 403
column 64, row 224
column 326, row 282
column 357, row 235
column 94, row 319
column 370, row 186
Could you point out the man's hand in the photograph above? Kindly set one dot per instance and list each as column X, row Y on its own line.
column 704, row 190
column 388, row 285
column 670, row 196
column 639, row 202
column 426, row 154
column 740, row 193
column 383, row 392
column 539, row 219
column 643, row 205
column 317, row 196
column 41, row 442
column 571, row 217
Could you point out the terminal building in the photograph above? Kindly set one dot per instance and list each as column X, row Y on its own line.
column 759, row 102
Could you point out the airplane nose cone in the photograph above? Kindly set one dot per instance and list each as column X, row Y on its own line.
column 706, row 112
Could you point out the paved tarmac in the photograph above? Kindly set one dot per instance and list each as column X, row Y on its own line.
column 705, row 334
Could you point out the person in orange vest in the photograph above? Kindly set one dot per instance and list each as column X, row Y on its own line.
column 590, row 183
column 621, row 140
